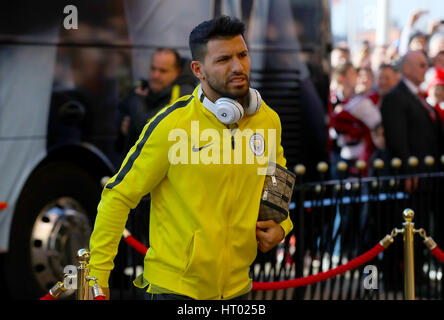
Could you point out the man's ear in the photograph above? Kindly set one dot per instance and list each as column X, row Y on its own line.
column 196, row 67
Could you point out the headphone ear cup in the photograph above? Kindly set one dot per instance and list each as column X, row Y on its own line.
column 255, row 102
column 228, row 111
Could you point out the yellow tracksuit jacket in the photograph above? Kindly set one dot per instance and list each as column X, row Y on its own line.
column 205, row 186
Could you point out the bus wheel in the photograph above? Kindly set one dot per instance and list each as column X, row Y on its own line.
column 52, row 221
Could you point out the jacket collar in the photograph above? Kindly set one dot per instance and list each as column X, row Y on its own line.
column 411, row 86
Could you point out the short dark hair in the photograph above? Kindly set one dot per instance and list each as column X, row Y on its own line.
column 418, row 34
column 220, row 27
column 342, row 69
column 368, row 69
column 178, row 63
column 388, row 66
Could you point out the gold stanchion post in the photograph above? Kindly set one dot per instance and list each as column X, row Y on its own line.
column 82, row 274
column 409, row 267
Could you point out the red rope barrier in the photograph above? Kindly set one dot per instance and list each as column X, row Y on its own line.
column 353, row 264
column 47, row 297
column 136, row 245
column 50, row 297
column 3, row 205
column 438, row 253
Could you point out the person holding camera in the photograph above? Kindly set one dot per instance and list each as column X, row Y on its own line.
column 167, row 81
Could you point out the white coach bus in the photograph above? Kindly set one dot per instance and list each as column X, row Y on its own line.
column 64, row 66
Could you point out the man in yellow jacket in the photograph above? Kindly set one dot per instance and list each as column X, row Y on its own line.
column 203, row 160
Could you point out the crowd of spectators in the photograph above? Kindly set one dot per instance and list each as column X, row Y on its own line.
column 388, row 101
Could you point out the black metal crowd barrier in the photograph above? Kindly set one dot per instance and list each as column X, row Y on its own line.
column 334, row 222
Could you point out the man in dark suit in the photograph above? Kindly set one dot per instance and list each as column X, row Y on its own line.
column 411, row 128
column 411, row 125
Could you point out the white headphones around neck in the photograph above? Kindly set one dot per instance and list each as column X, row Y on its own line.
column 229, row 111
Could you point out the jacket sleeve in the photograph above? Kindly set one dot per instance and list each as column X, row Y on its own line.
column 144, row 167
column 395, row 124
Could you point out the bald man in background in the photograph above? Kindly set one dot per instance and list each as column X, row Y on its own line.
column 168, row 80
column 410, row 124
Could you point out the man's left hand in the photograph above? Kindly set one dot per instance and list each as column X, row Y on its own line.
column 268, row 234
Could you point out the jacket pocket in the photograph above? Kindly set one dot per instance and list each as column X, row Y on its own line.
column 200, row 261
column 191, row 248
column 200, row 278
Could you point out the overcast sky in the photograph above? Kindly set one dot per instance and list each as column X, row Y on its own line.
column 365, row 13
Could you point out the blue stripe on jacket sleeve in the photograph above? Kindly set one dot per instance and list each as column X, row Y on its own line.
column 129, row 164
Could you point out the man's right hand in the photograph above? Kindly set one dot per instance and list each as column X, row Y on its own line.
column 142, row 92
column 268, row 234
column 416, row 15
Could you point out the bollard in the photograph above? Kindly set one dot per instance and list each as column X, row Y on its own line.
column 104, row 181
column 361, row 165
column 396, row 163
column 429, row 161
column 378, row 164
column 322, row 167
column 82, row 274
column 409, row 267
column 413, row 161
column 342, row 166
column 299, row 169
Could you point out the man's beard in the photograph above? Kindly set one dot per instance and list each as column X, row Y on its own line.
column 221, row 88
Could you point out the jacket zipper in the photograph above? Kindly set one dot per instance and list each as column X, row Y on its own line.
column 232, row 128
column 227, row 239
column 276, row 194
column 228, row 232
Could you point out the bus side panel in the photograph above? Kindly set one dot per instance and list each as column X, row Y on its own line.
column 162, row 23
column 26, row 75
column 18, row 158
